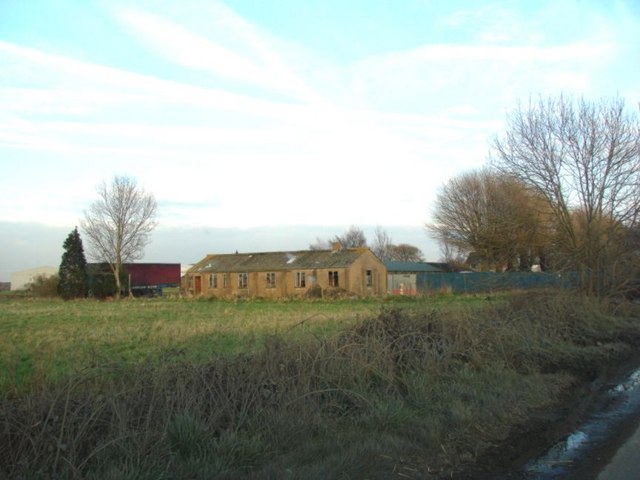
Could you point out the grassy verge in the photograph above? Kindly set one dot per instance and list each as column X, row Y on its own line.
column 415, row 392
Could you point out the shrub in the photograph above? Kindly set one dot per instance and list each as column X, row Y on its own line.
column 442, row 385
column 44, row 286
column 314, row 292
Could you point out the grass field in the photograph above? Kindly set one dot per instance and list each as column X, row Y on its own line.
column 175, row 388
column 44, row 339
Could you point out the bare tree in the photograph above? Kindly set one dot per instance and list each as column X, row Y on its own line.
column 320, row 244
column 453, row 256
column 406, row 253
column 382, row 244
column 352, row 238
column 490, row 214
column 584, row 158
column 119, row 223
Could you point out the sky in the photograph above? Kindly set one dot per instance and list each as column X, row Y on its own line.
column 264, row 125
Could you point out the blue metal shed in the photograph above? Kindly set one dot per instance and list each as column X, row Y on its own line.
column 408, row 278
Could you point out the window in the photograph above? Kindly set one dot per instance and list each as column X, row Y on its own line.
column 368, row 278
column 301, row 280
column 333, row 279
column 213, row 280
column 225, row 280
column 271, row 279
column 243, row 280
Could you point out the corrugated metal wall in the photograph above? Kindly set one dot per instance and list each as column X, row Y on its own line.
column 487, row 281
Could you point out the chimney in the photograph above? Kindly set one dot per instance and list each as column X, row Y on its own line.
column 336, row 246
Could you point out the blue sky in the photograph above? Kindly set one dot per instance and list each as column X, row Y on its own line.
column 303, row 117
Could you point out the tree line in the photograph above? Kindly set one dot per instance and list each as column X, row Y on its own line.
column 382, row 245
column 562, row 189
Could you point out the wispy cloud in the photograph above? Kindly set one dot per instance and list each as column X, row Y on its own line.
column 297, row 139
column 237, row 130
column 259, row 66
column 492, row 78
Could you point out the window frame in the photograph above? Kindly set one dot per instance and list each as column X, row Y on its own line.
column 213, row 280
column 243, row 280
column 271, row 279
column 301, row 280
column 334, row 279
column 368, row 275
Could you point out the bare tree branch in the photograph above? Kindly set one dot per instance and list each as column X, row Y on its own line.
column 118, row 225
column 584, row 158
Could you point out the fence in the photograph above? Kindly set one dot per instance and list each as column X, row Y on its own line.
column 475, row 282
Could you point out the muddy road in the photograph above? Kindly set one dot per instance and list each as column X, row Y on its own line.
column 601, row 446
column 595, row 435
column 601, row 438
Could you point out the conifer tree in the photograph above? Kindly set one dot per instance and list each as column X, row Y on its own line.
column 73, row 268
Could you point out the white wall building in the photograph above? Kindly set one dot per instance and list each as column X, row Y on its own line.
column 20, row 280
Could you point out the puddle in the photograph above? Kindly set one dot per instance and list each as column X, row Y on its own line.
column 622, row 402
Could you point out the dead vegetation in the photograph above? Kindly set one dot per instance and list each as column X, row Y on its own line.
column 418, row 394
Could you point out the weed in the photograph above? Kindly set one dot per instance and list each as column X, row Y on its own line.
column 309, row 389
column 186, row 435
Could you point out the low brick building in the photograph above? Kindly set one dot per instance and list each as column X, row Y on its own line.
column 287, row 274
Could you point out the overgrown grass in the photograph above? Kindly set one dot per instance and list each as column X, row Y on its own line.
column 45, row 339
column 360, row 390
column 40, row 339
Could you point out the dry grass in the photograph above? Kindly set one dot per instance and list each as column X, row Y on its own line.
column 45, row 339
column 406, row 392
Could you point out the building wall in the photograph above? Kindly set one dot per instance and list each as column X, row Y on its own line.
column 146, row 274
column 285, row 283
column 402, row 283
column 20, row 280
column 357, row 278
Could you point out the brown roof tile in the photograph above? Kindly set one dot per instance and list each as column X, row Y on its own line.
column 274, row 261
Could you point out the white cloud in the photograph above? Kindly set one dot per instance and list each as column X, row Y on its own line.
column 259, row 145
column 492, row 78
column 96, row 85
column 306, row 154
column 258, row 65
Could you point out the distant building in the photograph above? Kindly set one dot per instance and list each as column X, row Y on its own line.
column 185, row 268
column 152, row 278
column 144, row 278
column 409, row 278
column 20, row 280
column 287, row 274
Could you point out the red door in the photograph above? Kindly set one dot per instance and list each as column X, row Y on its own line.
column 198, row 285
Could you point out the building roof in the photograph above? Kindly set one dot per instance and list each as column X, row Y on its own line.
column 411, row 267
column 274, row 261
